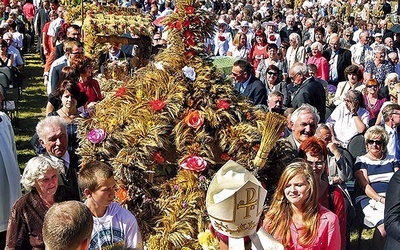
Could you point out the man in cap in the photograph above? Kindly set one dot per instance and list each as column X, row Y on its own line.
column 235, row 200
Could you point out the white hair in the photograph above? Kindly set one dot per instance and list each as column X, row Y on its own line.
column 305, row 109
column 36, row 168
column 317, row 45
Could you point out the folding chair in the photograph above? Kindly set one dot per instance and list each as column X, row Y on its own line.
column 11, row 93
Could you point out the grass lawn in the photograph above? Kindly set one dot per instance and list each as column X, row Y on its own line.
column 32, row 108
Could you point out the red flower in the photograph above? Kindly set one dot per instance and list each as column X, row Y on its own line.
column 272, row 38
column 170, row 25
column 194, row 119
column 158, row 157
column 189, row 9
column 190, row 42
column 222, row 38
column 121, row 91
column 157, row 104
column 194, row 163
column 197, row 21
column 122, row 195
column 222, row 104
column 188, row 34
column 178, row 25
column 225, row 157
column 186, row 23
column 256, row 147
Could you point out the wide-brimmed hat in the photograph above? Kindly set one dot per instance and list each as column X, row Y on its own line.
column 377, row 34
column 244, row 24
column 222, row 21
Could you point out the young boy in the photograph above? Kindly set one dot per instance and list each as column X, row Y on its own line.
column 113, row 225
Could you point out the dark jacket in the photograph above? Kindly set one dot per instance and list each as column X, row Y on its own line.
column 343, row 61
column 255, row 91
column 392, row 213
column 313, row 93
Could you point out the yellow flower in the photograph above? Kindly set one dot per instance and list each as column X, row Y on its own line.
column 207, row 241
column 139, row 94
column 150, row 124
column 113, row 122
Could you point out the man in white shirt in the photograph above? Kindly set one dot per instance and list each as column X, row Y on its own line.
column 361, row 51
column 391, row 116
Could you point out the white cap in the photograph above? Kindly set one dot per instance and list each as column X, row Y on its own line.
column 235, row 200
column 244, row 24
column 377, row 34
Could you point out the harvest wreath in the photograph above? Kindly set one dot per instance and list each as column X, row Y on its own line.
column 169, row 128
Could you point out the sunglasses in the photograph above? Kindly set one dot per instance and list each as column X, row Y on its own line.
column 272, row 73
column 377, row 142
column 317, row 164
column 372, row 86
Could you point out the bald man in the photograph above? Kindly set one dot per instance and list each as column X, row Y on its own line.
column 338, row 59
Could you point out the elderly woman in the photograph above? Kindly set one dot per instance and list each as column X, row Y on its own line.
column 347, row 40
column 40, row 180
column 373, row 172
column 348, row 119
column 354, row 76
column 390, row 81
column 372, row 100
column 378, row 68
column 296, row 202
column 318, row 60
column 222, row 39
column 296, row 52
column 239, row 48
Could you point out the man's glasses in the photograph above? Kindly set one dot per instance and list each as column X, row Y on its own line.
column 272, row 73
column 377, row 142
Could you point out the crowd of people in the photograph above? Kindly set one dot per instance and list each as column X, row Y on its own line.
column 333, row 79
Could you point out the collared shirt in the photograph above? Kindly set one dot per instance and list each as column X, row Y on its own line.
column 112, row 57
column 243, row 86
column 356, row 51
column 343, row 123
column 393, row 143
column 65, row 158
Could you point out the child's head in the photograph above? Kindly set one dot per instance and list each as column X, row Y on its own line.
column 96, row 179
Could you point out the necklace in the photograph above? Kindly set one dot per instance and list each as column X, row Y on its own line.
column 370, row 105
column 71, row 117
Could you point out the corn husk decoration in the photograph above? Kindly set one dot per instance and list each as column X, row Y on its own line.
column 167, row 130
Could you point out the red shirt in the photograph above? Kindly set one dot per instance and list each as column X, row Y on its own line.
column 91, row 89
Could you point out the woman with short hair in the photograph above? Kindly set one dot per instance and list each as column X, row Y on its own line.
column 378, row 67
column 40, row 180
column 373, row 172
column 318, row 60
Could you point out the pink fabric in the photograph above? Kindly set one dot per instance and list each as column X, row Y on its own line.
column 29, row 10
column 328, row 233
column 322, row 65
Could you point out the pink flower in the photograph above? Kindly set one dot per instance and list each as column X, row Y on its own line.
column 96, row 135
column 194, row 163
column 194, row 119
column 157, row 104
column 222, row 104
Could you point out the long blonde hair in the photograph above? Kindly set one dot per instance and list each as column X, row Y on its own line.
column 279, row 215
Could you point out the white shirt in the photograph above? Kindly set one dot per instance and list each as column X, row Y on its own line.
column 54, row 26
column 343, row 123
column 356, row 51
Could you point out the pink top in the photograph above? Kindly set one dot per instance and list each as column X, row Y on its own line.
column 322, row 65
column 328, row 233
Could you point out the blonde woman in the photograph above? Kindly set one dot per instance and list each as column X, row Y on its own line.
column 302, row 223
column 239, row 48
